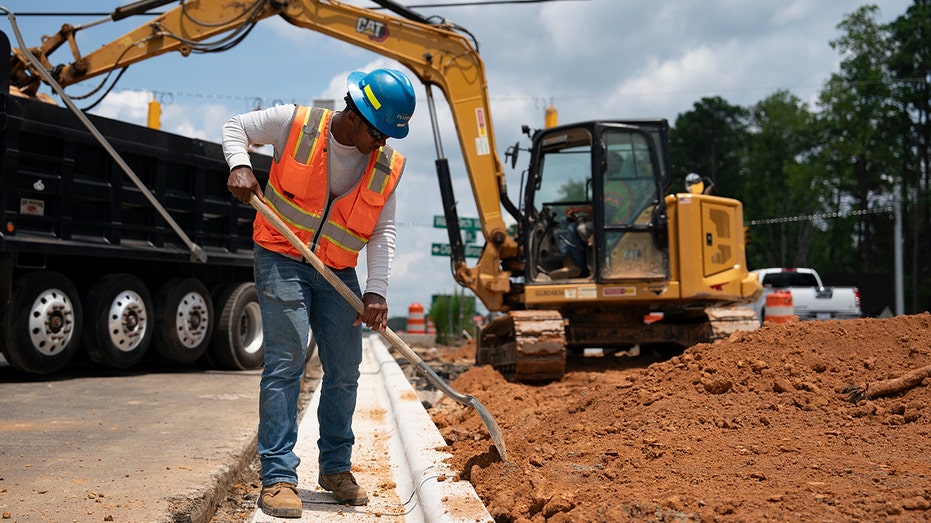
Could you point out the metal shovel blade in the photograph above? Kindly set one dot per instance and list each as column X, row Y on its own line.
column 388, row 334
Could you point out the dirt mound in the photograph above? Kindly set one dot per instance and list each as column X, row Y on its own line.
column 759, row 427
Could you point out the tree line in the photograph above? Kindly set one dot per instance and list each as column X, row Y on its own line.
column 818, row 184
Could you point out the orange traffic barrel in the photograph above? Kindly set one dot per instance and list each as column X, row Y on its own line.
column 416, row 323
column 778, row 306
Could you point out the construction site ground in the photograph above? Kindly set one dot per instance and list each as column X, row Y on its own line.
column 804, row 421
column 764, row 426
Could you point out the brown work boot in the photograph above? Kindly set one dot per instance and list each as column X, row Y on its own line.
column 281, row 500
column 343, row 485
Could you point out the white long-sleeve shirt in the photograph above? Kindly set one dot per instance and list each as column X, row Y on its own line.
column 346, row 165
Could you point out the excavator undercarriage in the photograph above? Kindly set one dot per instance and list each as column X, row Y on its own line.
column 531, row 345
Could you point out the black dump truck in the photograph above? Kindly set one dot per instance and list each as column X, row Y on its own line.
column 89, row 265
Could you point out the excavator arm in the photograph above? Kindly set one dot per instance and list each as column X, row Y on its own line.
column 436, row 53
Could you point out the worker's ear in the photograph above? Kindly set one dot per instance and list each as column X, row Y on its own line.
column 355, row 119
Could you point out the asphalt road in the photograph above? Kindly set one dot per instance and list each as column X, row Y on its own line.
column 151, row 444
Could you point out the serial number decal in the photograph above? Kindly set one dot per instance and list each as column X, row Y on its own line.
column 569, row 293
column 619, row 291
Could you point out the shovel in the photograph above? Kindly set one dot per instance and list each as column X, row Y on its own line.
column 396, row 342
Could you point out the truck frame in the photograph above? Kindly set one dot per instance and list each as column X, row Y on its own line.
column 85, row 259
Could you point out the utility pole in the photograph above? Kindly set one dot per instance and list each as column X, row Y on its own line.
column 897, row 249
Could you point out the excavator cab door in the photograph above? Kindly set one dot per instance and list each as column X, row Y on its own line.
column 632, row 232
column 594, row 202
column 559, row 205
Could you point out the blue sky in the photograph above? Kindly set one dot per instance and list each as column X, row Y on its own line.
column 593, row 58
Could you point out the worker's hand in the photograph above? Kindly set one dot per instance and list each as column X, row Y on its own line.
column 375, row 312
column 576, row 213
column 243, row 184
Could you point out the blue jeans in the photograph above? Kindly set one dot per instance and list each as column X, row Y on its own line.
column 295, row 299
column 570, row 242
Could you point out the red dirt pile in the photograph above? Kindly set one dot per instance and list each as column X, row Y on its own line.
column 759, row 427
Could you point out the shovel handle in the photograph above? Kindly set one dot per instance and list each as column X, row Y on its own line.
column 394, row 339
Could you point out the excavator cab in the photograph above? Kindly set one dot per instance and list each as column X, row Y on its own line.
column 594, row 203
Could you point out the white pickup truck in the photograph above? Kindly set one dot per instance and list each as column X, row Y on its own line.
column 811, row 300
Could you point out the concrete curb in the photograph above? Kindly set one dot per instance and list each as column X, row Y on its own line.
column 437, row 496
column 200, row 506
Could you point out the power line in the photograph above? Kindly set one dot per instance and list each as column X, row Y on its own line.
column 413, row 6
column 821, row 216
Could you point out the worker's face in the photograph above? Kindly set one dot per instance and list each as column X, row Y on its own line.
column 366, row 138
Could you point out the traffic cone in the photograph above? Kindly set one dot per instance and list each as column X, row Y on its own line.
column 415, row 319
column 778, row 306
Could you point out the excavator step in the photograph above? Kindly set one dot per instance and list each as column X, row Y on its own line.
column 728, row 320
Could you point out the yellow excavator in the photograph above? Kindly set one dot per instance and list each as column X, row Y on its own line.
column 596, row 254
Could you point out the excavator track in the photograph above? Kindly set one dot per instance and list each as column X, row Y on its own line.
column 525, row 346
column 725, row 321
column 530, row 345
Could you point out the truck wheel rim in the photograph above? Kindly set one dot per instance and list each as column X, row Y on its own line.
column 250, row 328
column 127, row 321
column 192, row 319
column 51, row 322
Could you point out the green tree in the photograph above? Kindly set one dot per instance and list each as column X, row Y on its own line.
column 779, row 181
column 451, row 314
column 910, row 64
column 572, row 191
column 859, row 117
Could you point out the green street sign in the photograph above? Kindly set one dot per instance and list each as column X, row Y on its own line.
column 466, row 224
column 443, row 249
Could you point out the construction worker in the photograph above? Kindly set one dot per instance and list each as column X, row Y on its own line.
column 575, row 238
column 332, row 181
column 695, row 184
column 616, row 191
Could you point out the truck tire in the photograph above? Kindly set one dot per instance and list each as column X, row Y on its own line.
column 41, row 329
column 237, row 340
column 183, row 319
column 118, row 326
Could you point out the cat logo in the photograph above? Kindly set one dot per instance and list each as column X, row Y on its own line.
column 376, row 30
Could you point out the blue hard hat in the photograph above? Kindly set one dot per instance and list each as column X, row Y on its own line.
column 385, row 98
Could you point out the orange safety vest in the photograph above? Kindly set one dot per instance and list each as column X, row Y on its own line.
column 298, row 191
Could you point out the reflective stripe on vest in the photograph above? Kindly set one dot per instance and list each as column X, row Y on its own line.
column 379, row 176
column 295, row 193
